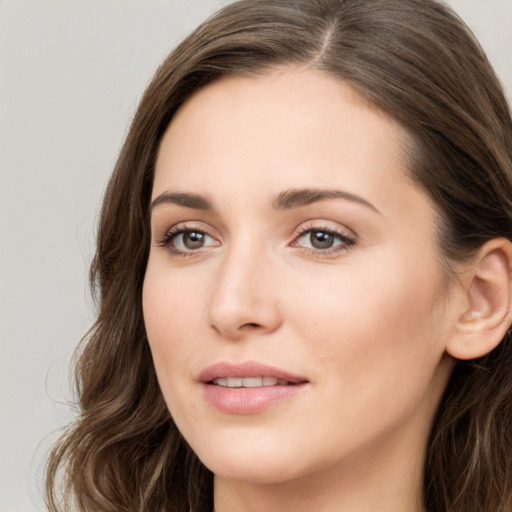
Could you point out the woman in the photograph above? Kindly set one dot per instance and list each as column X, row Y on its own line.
column 303, row 267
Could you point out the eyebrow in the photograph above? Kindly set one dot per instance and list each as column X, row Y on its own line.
column 193, row 201
column 297, row 198
column 287, row 200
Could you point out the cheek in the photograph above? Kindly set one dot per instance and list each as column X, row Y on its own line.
column 171, row 310
column 374, row 322
column 377, row 338
column 171, row 315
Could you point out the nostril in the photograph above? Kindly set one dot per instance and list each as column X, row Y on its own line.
column 250, row 325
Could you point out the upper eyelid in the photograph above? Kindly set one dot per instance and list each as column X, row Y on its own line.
column 193, row 225
column 163, row 239
column 326, row 225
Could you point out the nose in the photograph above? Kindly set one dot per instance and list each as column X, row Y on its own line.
column 245, row 297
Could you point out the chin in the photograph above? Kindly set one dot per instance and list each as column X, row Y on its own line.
column 266, row 472
column 250, row 459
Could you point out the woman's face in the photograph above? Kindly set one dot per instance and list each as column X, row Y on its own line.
column 294, row 298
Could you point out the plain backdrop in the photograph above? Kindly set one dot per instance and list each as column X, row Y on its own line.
column 71, row 75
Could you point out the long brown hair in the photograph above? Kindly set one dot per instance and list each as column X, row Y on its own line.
column 416, row 61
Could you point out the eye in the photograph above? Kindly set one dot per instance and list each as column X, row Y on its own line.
column 323, row 240
column 191, row 240
column 187, row 240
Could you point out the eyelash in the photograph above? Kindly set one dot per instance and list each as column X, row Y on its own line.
column 174, row 232
column 346, row 241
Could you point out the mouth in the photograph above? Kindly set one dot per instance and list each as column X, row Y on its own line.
column 248, row 374
column 249, row 382
column 248, row 387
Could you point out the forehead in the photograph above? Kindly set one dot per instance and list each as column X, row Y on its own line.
column 290, row 126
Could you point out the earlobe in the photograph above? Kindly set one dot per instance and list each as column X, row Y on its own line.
column 487, row 313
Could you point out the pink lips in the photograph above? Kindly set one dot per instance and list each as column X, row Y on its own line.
column 247, row 400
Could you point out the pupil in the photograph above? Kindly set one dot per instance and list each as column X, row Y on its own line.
column 193, row 240
column 321, row 239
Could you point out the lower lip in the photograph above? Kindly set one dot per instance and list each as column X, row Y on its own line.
column 248, row 400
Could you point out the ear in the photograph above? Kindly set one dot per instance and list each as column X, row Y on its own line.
column 486, row 315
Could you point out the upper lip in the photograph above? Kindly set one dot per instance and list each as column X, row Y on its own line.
column 226, row 369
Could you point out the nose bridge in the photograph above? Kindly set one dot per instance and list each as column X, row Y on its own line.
column 243, row 298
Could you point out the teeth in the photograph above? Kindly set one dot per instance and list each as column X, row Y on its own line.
column 269, row 381
column 252, row 382
column 249, row 382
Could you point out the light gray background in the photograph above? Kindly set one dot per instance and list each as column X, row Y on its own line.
column 71, row 74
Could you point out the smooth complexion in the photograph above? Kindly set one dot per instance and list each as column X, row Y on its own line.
column 286, row 233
